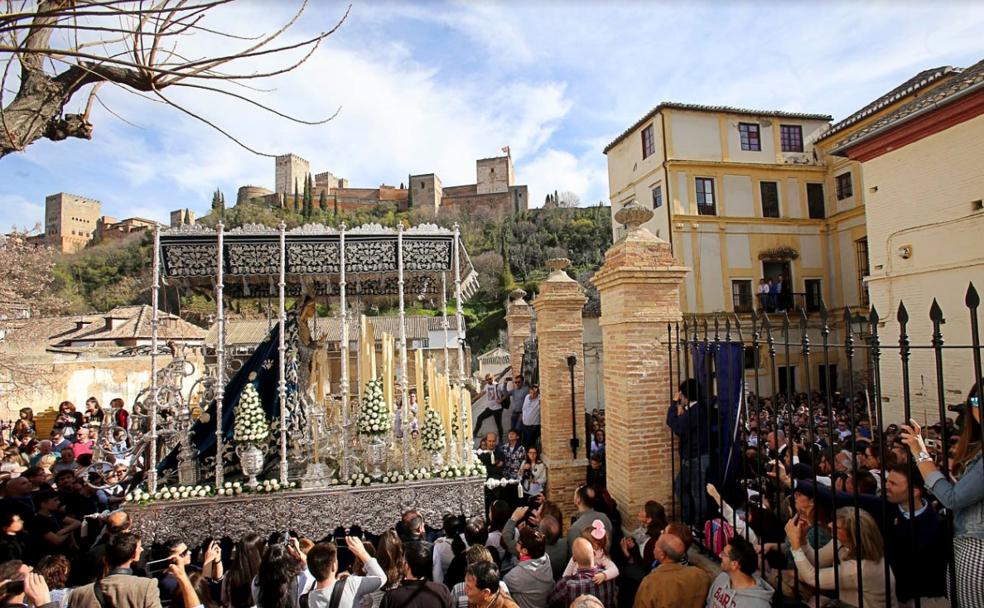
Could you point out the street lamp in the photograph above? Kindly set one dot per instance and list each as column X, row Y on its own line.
column 575, row 441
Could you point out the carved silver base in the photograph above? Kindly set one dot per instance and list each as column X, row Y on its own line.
column 313, row 513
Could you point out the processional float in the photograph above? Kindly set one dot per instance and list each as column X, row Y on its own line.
column 333, row 266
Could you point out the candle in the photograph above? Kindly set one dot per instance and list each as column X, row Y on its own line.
column 361, row 357
column 391, row 368
column 430, row 384
column 371, row 345
column 418, row 372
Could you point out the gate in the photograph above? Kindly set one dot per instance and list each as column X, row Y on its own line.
column 761, row 434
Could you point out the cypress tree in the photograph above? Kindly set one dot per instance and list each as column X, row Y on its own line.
column 218, row 203
column 297, row 197
column 308, row 197
column 323, row 201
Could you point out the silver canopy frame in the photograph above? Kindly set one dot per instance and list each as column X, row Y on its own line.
column 367, row 262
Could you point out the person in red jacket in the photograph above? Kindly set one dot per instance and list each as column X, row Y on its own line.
column 120, row 416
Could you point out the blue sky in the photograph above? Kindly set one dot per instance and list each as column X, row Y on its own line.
column 431, row 86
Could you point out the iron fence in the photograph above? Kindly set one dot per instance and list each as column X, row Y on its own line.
column 795, row 416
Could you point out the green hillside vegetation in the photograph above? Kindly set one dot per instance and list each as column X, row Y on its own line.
column 506, row 254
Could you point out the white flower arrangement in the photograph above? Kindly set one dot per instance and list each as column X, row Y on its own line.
column 375, row 416
column 492, row 484
column 170, row 493
column 230, row 488
column 432, row 434
column 251, row 427
column 273, row 485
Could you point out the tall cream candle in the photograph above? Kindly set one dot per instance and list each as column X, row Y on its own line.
column 418, row 372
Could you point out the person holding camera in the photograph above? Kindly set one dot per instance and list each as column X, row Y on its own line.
column 960, row 490
column 69, row 420
column 329, row 590
column 20, row 587
column 689, row 419
column 533, row 473
column 121, row 589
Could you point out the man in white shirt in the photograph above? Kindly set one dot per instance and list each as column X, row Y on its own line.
column 323, row 563
column 531, row 418
column 493, row 394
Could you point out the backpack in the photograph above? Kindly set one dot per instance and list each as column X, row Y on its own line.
column 333, row 602
column 717, row 533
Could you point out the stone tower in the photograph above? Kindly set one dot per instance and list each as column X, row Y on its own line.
column 290, row 169
column 426, row 191
column 494, row 174
column 182, row 217
column 70, row 220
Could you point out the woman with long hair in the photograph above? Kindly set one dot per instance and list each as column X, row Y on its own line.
column 868, row 548
column 279, row 581
column 237, row 584
column 534, row 473
column 960, row 490
column 202, row 589
column 598, row 442
column 640, row 546
column 25, row 426
column 389, row 555
column 93, row 413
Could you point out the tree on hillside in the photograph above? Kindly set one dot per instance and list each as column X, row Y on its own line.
column 567, row 200
column 323, row 202
column 218, row 203
column 53, row 52
column 308, row 196
column 24, row 292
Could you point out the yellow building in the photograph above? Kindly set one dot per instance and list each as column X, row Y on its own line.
column 748, row 195
column 922, row 167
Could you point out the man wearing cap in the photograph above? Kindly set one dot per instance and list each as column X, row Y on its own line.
column 493, row 396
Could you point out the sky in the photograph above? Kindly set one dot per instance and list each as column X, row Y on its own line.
column 429, row 87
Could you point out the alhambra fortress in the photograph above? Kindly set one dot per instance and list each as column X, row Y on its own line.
column 494, row 188
column 72, row 221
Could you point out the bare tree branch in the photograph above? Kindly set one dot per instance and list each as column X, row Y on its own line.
column 134, row 56
column 258, row 104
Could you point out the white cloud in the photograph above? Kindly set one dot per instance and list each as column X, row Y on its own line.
column 562, row 171
column 18, row 212
column 431, row 87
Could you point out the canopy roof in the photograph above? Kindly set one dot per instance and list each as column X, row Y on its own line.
column 251, row 260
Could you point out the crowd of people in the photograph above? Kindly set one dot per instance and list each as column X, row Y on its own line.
column 822, row 503
column 837, row 507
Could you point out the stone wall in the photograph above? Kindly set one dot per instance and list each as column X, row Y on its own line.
column 639, row 285
column 560, row 335
column 76, row 380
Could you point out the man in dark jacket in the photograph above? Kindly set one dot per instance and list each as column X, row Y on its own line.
column 416, row 591
column 689, row 420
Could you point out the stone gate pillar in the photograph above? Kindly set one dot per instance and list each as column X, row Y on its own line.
column 518, row 320
column 639, row 285
column 560, row 334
